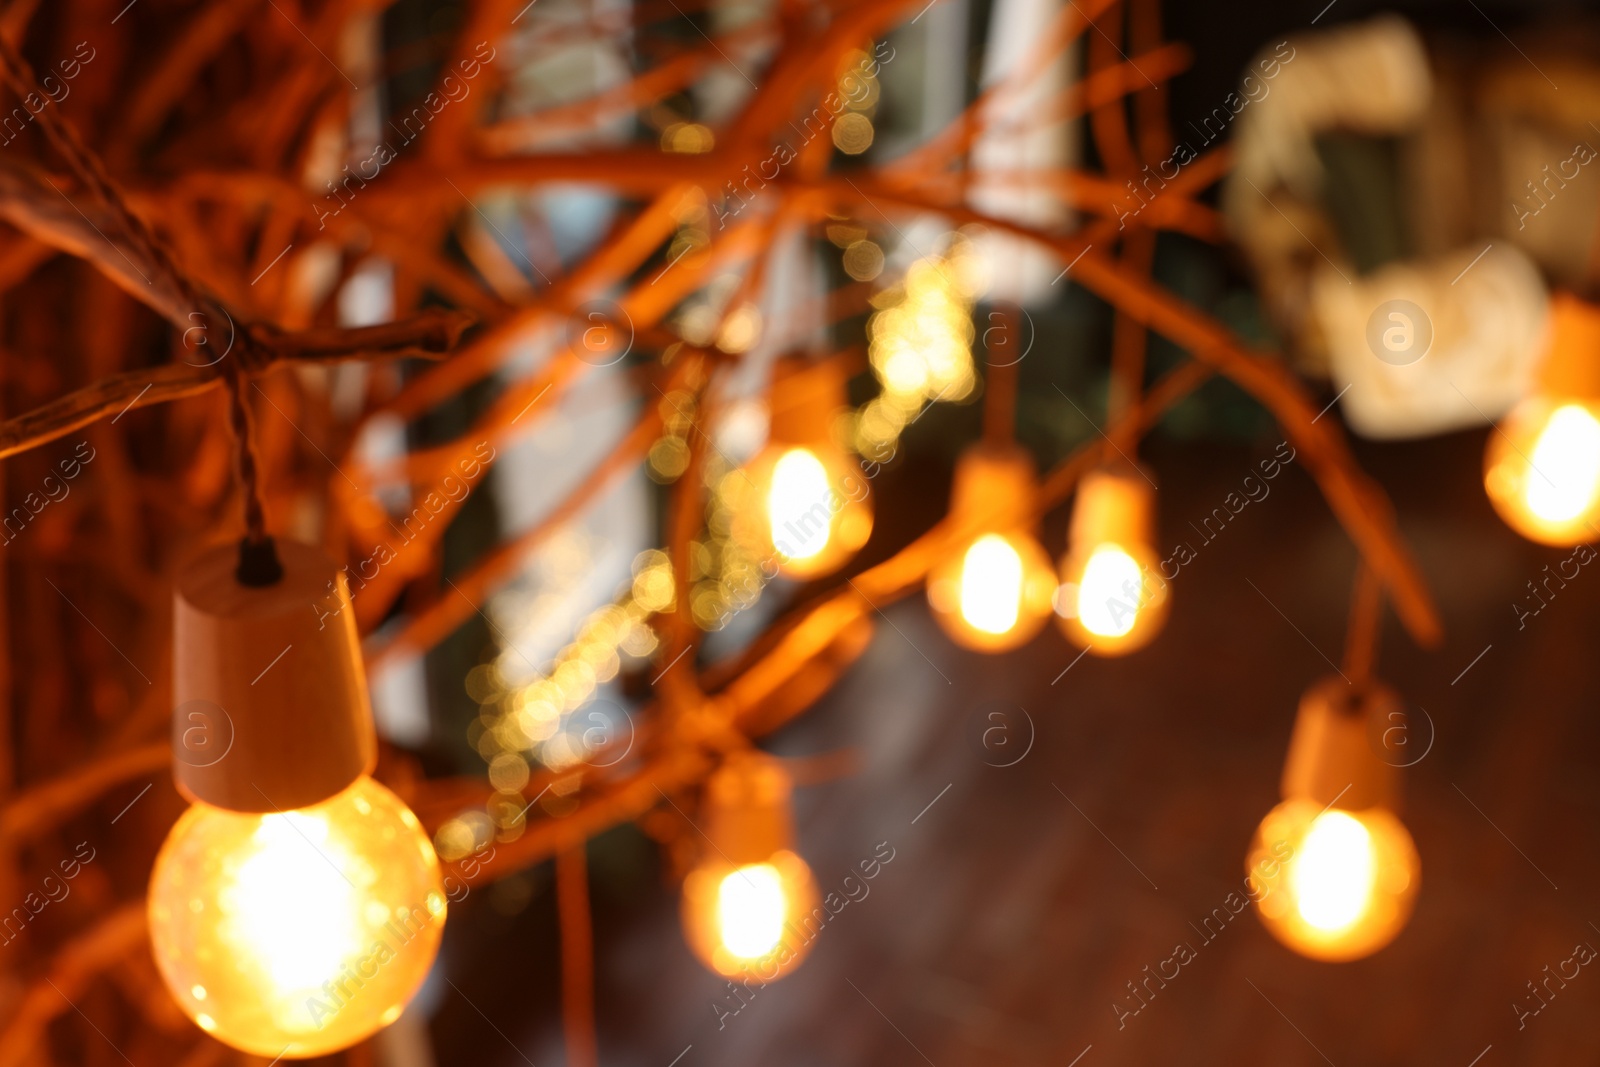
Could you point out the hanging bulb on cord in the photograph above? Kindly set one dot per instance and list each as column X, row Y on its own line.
column 748, row 905
column 994, row 591
column 297, row 905
column 813, row 511
column 1113, row 599
column 1542, row 463
column 1332, row 869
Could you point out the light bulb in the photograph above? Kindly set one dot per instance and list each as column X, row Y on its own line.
column 750, row 907
column 1333, row 884
column 1112, row 599
column 1541, row 467
column 754, row 919
column 297, row 933
column 994, row 594
column 814, row 512
column 1542, row 470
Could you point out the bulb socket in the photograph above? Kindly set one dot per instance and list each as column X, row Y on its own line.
column 995, row 482
column 1117, row 503
column 271, row 695
column 746, row 813
column 1333, row 759
column 806, row 395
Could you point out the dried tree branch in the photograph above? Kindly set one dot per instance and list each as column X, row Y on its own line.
column 430, row 335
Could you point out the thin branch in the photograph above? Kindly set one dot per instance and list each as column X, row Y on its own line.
column 430, row 335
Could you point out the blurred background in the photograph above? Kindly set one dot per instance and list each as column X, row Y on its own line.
column 1045, row 828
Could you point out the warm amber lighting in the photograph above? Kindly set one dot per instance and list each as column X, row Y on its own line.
column 1333, row 884
column 816, row 510
column 1542, row 470
column 1110, row 590
column 799, row 481
column 751, row 908
column 993, row 592
column 991, row 585
column 1112, row 599
column 298, row 933
column 755, row 920
column 994, row 595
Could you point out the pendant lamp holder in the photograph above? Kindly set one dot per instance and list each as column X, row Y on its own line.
column 747, row 808
column 1333, row 759
column 1116, row 502
column 271, row 696
column 806, row 395
column 995, row 481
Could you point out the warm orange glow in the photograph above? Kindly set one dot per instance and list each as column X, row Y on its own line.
column 296, row 934
column 991, row 585
column 753, row 919
column 1542, row 471
column 751, row 908
column 816, row 511
column 1112, row 599
column 799, row 485
column 995, row 594
column 1333, row 884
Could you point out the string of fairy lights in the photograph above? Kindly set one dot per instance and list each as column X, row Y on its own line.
column 1333, row 869
column 287, row 951
column 281, row 950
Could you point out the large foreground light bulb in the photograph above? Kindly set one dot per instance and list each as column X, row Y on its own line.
column 1113, row 598
column 1332, row 869
column 994, row 592
column 1542, row 463
column 750, row 908
column 297, row 933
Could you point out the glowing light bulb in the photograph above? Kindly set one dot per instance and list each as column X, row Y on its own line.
column 751, row 907
column 991, row 584
column 814, row 509
column 756, row 920
column 994, row 592
column 1112, row 599
column 1332, row 878
column 1333, row 884
column 994, row 595
column 1110, row 592
column 1542, row 470
column 297, row 933
column 800, row 490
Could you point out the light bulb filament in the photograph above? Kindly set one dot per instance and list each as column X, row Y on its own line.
column 751, row 907
column 1333, row 875
column 1111, row 592
column 800, row 505
column 991, row 585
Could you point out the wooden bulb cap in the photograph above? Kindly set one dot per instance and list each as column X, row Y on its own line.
column 1115, row 503
column 806, row 395
column 1333, row 752
column 747, row 809
column 996, row 483
column 270, row 692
